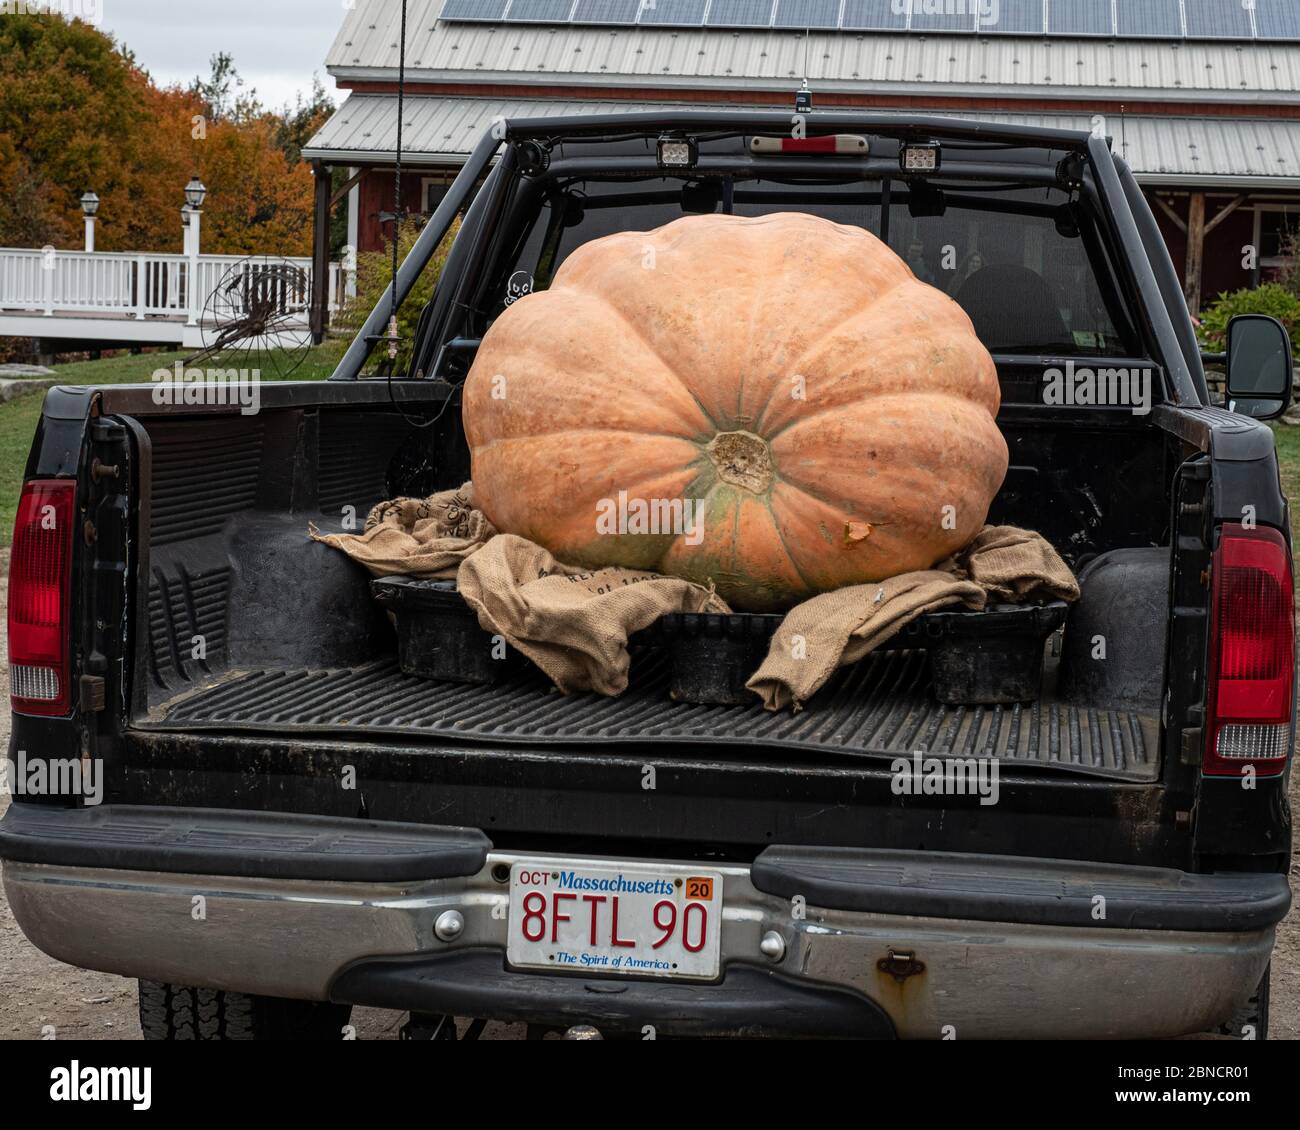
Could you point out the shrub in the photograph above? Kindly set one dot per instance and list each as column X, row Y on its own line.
column 1272, row 298
column 375, row 272
column 1290, row 277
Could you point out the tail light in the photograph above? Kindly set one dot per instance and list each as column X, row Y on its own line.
column 39, row 566
column 841, row 144
column 1252, row 654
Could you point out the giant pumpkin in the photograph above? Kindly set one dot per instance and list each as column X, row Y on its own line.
column 786, row 381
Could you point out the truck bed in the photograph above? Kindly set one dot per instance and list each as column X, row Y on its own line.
column 880, row 708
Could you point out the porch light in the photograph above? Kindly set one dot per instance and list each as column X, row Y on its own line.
column 89, row 204
column 195, row 192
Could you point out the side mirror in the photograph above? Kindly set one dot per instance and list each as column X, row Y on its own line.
column 1259, row 366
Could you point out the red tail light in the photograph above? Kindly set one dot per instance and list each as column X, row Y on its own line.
column 841, row 144
column 1252, row 654
column 39, row 674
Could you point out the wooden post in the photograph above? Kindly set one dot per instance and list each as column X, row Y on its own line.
column 320, row 255
column 49, row 264
column 1195, row 252
column 141, row 286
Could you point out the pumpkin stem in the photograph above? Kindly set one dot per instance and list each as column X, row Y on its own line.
column 742, row 459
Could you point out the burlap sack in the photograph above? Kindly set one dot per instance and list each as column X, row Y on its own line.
column 574, row 624
column 422, row 537
column 1013, row 565
column 837, row 628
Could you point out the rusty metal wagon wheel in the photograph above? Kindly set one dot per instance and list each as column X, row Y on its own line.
column 256, row 317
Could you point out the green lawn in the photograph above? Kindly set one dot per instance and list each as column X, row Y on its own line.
column 18, row 417
column 1288, row 456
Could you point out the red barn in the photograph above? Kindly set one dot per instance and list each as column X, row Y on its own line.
column 1202, row 97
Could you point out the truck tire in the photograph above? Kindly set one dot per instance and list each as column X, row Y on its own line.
column 1250, row 1021
column 178, row 1012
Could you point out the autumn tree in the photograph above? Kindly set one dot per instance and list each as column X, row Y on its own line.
column 77, row 112
column 68, row 97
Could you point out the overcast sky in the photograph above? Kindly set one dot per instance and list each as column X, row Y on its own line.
column 276, row 44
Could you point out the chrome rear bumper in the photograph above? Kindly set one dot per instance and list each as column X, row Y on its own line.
column 858, row 941
column 931, row 977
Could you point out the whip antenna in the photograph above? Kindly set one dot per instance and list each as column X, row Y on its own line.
column 394, row 338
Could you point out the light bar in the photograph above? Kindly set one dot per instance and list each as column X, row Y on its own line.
column 837, row 144
column 923, row 158
column 677, row 152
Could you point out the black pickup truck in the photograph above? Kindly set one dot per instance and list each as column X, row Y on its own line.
column 289, row 826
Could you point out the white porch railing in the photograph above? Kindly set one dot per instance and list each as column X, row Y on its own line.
column 132, row 284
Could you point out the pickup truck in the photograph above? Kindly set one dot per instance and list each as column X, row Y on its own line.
column 285, row 826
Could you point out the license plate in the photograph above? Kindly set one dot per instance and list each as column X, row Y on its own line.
column 633, row 918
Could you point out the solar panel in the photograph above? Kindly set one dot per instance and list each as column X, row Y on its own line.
column 1277, row 19
column 808, row 13
column 943, row 15
column 605, row 11
column 1158, row 19
column 688, row 13
column 1011, row 17
column 473, row 10
column 740, row 13
column 1079, row 17
column 873, row 15
column 539, row 11
column 1217, row 19
column 1135, row 19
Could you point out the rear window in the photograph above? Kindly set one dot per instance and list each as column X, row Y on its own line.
column 1028, row 274
column 1028, row 286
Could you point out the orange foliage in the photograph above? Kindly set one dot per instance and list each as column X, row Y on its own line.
column 76, row 112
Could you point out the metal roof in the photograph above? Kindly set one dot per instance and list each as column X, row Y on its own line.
column 366, row 48
column 1170, row 150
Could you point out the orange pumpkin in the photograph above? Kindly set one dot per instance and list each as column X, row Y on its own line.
column 776, row 406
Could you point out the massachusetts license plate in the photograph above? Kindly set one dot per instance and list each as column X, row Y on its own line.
column 636, row 918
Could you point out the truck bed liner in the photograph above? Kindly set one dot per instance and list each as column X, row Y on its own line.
column 881, row 708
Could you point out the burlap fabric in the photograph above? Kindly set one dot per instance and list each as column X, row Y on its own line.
column 1002, row 564
column 420, row 537
column 575, row 623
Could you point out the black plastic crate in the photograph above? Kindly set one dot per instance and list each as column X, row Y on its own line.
column 991, row 657
column 438, row 634
column 712, row 654
column 976, row 658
